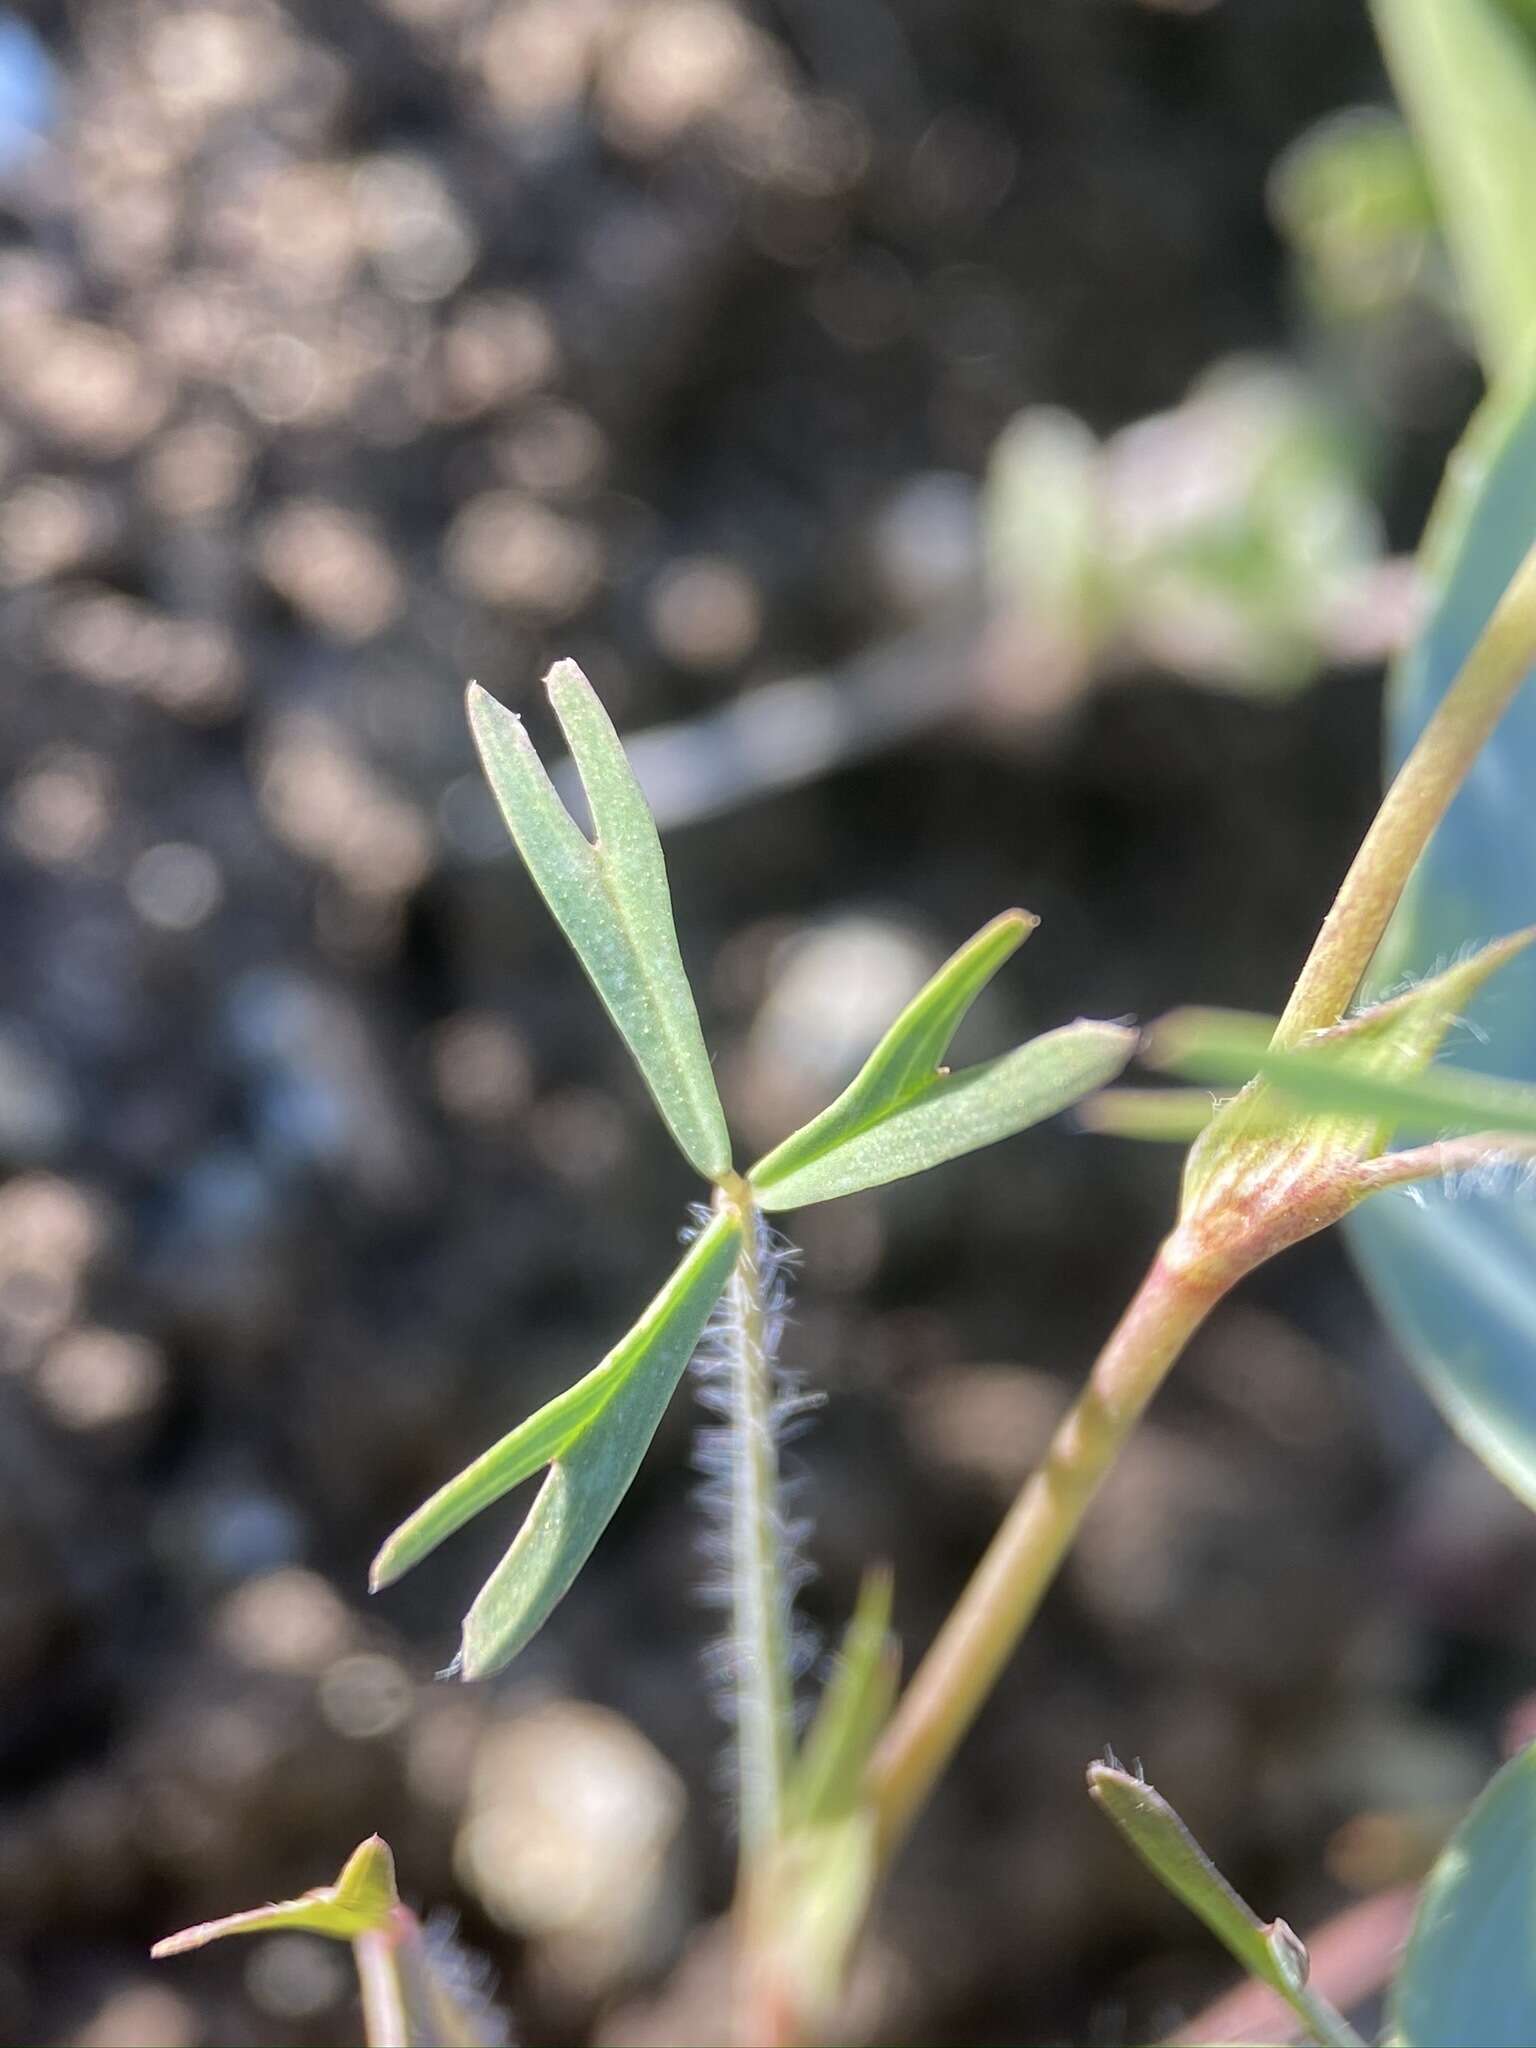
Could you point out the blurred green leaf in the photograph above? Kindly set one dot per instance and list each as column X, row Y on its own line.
column 811, row 1888
column 1268, row 1951
column 592, row 1472
column 1227, row 539
column 1466, row 75
column 610, row 898
column 1352, row 196
column 903, row 1112
column 362, row 1898
column 811, row 1894
column 1456, row 1279
column 1159, row 1115
column 828, row 1778
column 1044, row 528
column 1469, row 1971
column 1363, row 1073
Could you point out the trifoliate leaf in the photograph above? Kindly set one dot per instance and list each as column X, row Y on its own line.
column 903, row 1112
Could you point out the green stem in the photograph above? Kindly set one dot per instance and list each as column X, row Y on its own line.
column 759, row 1607
column 1008, row 1585
column 1411, row 809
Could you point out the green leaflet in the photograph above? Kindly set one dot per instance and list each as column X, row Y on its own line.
column 1466, row 75
column 1469, row 1970
column 593, row 1437
column 362, row 1898
column 1268, row 1951
column 903, row 1112
column 593, row 1471
column 610, row 899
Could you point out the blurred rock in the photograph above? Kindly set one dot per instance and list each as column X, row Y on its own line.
column 571, row 1839
column 39, row 1109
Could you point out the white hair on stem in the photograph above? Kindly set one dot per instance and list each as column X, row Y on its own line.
column 753, row 1540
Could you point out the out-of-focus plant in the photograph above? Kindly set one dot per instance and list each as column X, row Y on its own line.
column 418, row 1991
column 1325, row 1095
column 1466, row 76
column 1456, row 1278
column 1352, row 196
column 1230, row 540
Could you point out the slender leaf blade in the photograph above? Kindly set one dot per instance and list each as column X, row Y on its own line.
column 524, row 1451
column 591, row 1475
column 955, row 1114
column 362, row 1899
column 610, row 898
column 1268, row 1951
column 1469, row 1970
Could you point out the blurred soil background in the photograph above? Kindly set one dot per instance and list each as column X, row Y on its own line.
column 765, row 357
